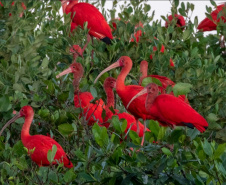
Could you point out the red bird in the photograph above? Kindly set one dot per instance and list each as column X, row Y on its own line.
column 171, row 110
column 92, row 112
column 138, row 32
column 126, row 92
column 164, row 80
column 180, row 22
column 85, row 12
column 210, row 25
column 155, row 49
column 38, row 145
column 109, row 84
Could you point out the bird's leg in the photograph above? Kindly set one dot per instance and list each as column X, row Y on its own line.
column 222, row 41
column 88, row 40
column 92, row 55
column 142, row 142
column 138, row 128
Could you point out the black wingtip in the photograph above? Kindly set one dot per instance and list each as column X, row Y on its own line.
column 106, row 40
column 190, row 125
column 205, row 127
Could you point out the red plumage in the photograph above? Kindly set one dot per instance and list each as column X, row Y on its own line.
column 179, row 20
column 109, row 84
column 38, row 145
column 85, row 12
column 164, row 80
column 91, row 111
column 170, row 110
column 210, row 25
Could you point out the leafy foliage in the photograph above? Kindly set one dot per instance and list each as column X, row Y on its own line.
column 32, row 47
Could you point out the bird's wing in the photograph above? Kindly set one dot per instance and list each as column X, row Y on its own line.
column 96, row 21
column 174, row 111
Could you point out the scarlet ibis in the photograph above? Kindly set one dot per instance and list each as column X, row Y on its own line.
column 210, row 25
column 126, row 92
column 172, row 63
column 164, row 80
column 85, row 12
column 38, row 145
column 155, row 49
column 109, row 84
column 78, row 51
column 12, row 4
column 170, row 110
column 180, row 22
column 138, row 32
column 91, row 111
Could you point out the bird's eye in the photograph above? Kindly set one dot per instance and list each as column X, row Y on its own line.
column 73, row 67
column 22, row 110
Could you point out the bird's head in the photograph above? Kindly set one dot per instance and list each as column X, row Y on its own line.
column 180, row 22
column 143, row 66
column 110, row 83
column 76, row 49
column 75, row 68
column 123, row 61
column 24, row 112
column 151, row 88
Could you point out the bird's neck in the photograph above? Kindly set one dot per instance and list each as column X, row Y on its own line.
column 69, row 7
column 150, row 99
column 26, row 127
column 144, row 73
column 110, row 98
column 76, row 82
column 120, row 83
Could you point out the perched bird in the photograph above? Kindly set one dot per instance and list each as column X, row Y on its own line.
column 109, row 85
column 210, row 25
column 77, row 51
column 156, row 49
column 164, row 80
column 38, row 145
column 170, row 110
column 138, row 32
column 85, row 12
column 126, row 92
column 91, row 111
column 180, row 22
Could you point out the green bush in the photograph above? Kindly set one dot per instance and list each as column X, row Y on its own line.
column 32, row 46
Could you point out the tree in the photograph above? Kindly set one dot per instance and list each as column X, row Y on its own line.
column 31, row 47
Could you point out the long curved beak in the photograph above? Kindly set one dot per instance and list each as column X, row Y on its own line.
column 144, row 91
column 66, row 71
column 112, row 66
column 9, row 122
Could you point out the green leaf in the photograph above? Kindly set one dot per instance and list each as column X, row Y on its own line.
column 166, row 151
column 176, row 3
column 147, row 8
column 69, row 176
column 212, row 117
column 100, row 135
column 219, row 151
column 51, row 154
column 207, row 148
column 116, row 123
column 5, row 103
column 65, row 129
column 154, row 127
column 187, row 34
column 93, row 91
column 148, row 80
column 182, row 88
column 217, row 58
column 45, row 63
column 134, row 136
